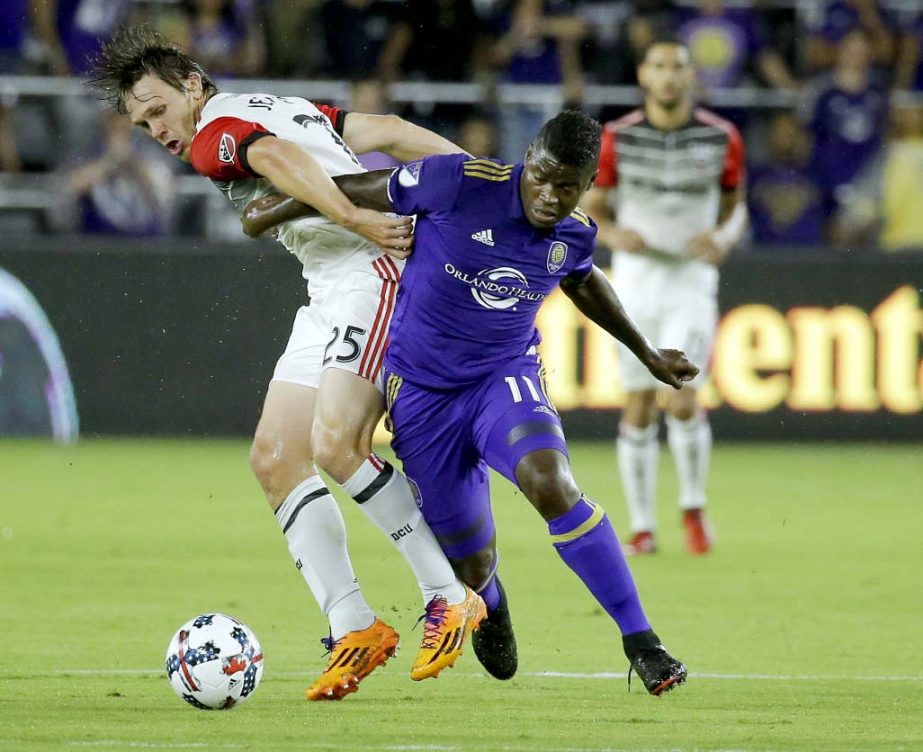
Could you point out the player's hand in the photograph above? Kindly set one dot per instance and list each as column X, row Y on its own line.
column 671, row 367
column 705, row 248
column 394, row 235
column 624, row 240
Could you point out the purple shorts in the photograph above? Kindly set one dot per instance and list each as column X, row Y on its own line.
column 446, row 441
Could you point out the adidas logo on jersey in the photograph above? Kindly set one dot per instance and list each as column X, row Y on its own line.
column 484, row 236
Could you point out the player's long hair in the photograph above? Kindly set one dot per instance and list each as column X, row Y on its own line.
column 572, row 137
column 137, row 51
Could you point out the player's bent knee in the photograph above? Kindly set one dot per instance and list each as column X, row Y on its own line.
column 338, row 450
column 547, row 482
column 279, row 468
column 262, row 459
column 641, row 409
column 684, row 406
column 474, row 569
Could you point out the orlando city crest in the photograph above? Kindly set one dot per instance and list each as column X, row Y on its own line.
column 557, row 254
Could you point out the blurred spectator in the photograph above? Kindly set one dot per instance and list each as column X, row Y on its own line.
column 882, row 206
column 9, row 154
column 847, row 117
column 478, row 135
column 829, row 22
column 288, row 55
column 14, row 24
column 72, row 31
column 432, row 40
column 222, row 35
column 368, row 96
column 124, row 187
column 541, row 45
column 908, row 69
column 354, row 33
column 902, row 181
column 784, row 198
column 618, row 32
column 722, row 41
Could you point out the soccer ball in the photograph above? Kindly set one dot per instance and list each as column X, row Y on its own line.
column 214, row 662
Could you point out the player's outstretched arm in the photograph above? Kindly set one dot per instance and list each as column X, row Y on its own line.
column 297, row 174
column 595, row 298
column 394, row 136
column 368, row 190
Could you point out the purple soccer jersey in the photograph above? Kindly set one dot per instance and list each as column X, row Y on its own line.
column 479, row 273
column 464, row 383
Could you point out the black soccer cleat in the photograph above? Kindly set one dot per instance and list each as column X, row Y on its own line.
column 494, row 642
column 658, row 670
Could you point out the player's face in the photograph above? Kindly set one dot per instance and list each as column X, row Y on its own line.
column 165, row 113
column 550, row 190
column 666, row 75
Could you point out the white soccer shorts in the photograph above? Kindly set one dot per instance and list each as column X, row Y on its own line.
column 345, row 326
column 685, row 323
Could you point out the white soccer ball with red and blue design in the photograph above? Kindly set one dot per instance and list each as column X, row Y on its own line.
column 214, row 662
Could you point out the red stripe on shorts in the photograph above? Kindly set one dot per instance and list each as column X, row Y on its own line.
column 378, row 351
column 379, row 327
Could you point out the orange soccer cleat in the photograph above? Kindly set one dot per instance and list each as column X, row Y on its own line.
column 353, row 657
column 444, row 630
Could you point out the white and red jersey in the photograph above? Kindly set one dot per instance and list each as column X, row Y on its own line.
column 668, row 184
column 231, row 122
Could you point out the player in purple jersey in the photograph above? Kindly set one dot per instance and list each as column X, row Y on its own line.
column 465, row 385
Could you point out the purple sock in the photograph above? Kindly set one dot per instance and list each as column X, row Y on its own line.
column 584, row 538
column 491, row 594
column 488, row 589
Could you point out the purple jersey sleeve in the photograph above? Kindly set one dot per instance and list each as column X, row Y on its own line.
column 427, row 185
column 585, row 266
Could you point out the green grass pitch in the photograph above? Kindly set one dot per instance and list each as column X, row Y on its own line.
column 802, row 631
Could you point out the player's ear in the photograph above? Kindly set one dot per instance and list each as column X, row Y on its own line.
column 194, row 84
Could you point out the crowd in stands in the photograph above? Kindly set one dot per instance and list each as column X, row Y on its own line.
column 840, row 167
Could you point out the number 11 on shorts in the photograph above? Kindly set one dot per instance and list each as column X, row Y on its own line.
column 513, row 384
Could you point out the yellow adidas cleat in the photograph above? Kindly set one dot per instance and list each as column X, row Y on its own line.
column 444, row 630
column 353, row 657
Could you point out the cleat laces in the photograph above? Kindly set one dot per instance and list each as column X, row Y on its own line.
column 433, row 618
column 329, row 643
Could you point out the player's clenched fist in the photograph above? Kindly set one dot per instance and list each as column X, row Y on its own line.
column 671, row 367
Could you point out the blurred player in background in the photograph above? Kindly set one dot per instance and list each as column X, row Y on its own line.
column 465, row 385
column 669, row 201
column 325, row 398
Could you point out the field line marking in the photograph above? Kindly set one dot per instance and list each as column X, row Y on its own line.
column 385, row 747
column 538, row 674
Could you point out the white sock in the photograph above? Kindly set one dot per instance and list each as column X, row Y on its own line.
column 690, row 443
column 384, row 496
column 638, row 452
column 316, row 534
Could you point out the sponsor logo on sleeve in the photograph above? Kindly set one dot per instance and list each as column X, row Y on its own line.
column 557, row 255
column 409, row 176
column 227, row 148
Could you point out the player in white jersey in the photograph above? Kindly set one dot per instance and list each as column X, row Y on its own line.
column 324, row 400
column 669, row 202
